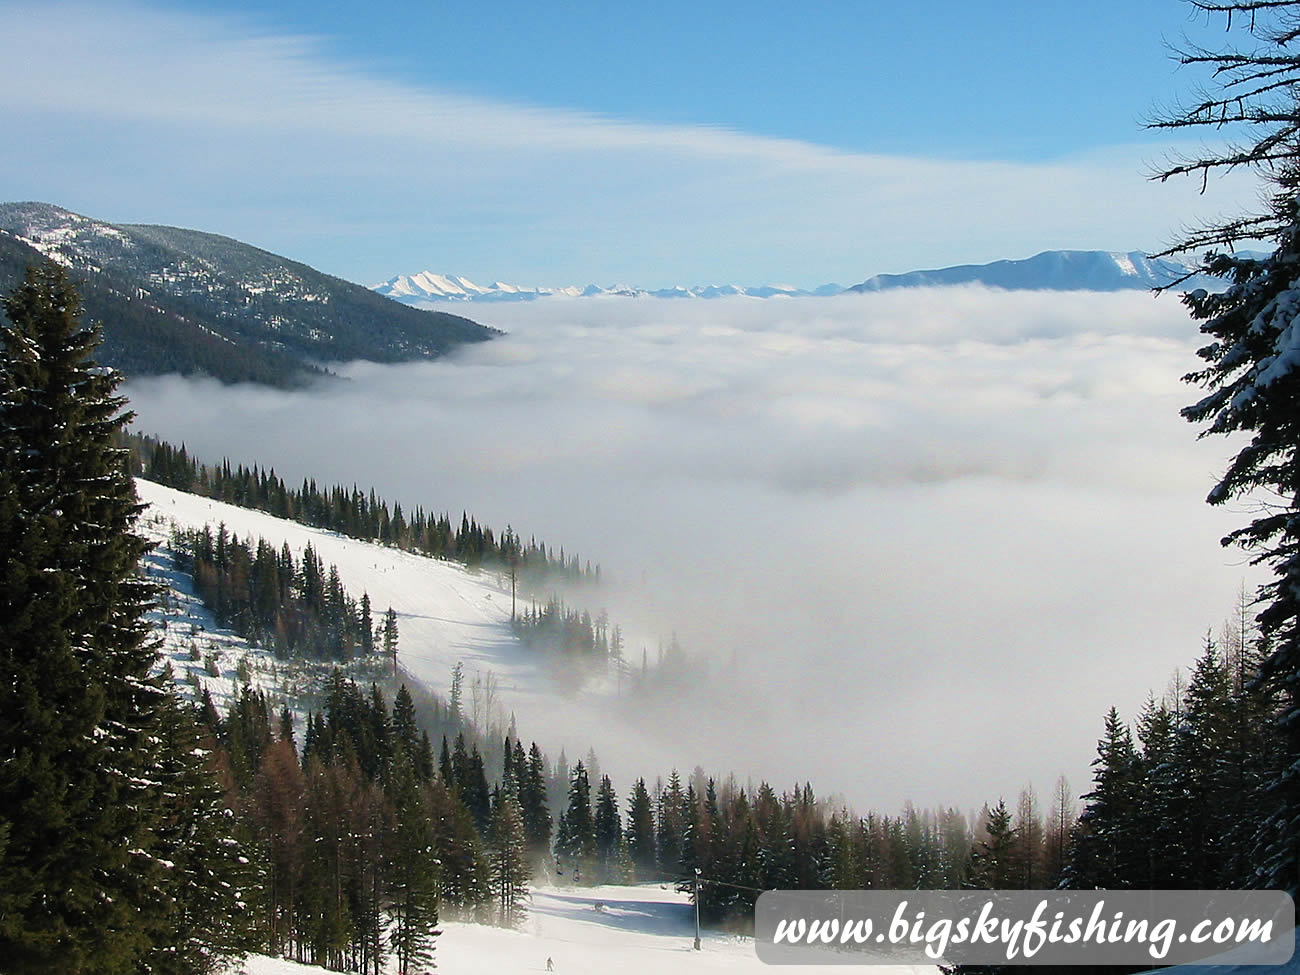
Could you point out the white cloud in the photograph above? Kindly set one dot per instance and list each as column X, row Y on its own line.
column 941, row 531
column 134, row 113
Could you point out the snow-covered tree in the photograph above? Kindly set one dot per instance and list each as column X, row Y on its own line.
column 1252, row 371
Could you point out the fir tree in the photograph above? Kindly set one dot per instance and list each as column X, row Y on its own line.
column 641, row 831
column 533, row 803
column 509, row 873
column 390, row 636
column 1107, row 848
column 575, row 840
column 1251, row 376
column 83, row 869
column 412, row 873
column 607, row 828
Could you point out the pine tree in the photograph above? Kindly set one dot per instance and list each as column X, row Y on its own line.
column 533, row 803
column 1108, row 848
column 608, row 828
column 83, row 868
column 412, row 874
column 405, row 726
column 1251, row 375
column 1202, row 756
column 575, row 841
column 367, row 626
column 671, row 825
column 993, row 860
column 209, row 874
column 508, row 859
column 390, row 636
column 641, row 831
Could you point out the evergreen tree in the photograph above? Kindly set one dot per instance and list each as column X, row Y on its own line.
column 509, row 873
column 1107, row 849
column 993, row 861
column 671, row 825
column 367, row 626
column 209, row 874
column 1250, row 376
column 405, row 727
column 390, row 636
column 533, row 803
column 412, row 873
column 83, row 869
column 608, row 828
column 641, row 831
column 575, row 840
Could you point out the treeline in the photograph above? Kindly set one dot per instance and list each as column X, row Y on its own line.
column 362, row 839
column 1187, row 799
column 294, row 608
column 364, row 516
column 556, row 627
column 743, row 843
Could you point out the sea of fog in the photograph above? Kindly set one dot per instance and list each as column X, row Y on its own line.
column 930, row 535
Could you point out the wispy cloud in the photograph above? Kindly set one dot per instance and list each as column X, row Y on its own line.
column 940, row 531
column 136, row 113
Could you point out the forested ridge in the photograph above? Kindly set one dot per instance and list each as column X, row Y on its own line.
column 357, row 514
column 201, row 305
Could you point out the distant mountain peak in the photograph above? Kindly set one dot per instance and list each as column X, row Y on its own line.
column 1061, row 270
column 429, row 289
column 1057, row 270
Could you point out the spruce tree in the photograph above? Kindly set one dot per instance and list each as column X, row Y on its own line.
column 413, row 870
column 209, row 877
column 641, row 831
column 508, row 858
column 607, row 827
column 84, row 868
column 575, row 841
column 533, row 804
column 1108, row 850
column 1251, row 373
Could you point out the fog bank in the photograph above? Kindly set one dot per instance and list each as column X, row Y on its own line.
column 934, row 534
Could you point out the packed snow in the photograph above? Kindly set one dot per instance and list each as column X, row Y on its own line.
column 638, row 930
column 445, row 613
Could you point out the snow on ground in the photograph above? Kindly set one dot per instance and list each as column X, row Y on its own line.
column 445, row 614
column 641, row 930
column 203, row 655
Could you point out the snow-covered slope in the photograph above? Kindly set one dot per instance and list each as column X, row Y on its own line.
column 446, row 614
column 642, row 930
column 205, row 656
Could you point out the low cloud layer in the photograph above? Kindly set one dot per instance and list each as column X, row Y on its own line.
column 936, row 533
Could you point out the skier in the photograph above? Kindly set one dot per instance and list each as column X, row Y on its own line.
column 550, row 965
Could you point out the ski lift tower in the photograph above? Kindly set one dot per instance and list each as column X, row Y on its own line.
column 697, row 908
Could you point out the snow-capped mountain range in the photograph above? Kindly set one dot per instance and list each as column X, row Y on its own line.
column 1060, row 270
column 415, row 289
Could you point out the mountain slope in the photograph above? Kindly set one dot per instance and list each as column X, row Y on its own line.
column 184, row 301
column 446, row 614
column 1048, row 271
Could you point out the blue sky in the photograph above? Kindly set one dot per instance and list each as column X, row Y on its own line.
column 573, row 143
